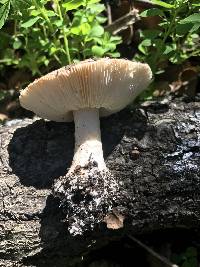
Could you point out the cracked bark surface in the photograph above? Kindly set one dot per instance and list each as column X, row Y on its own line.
column 154, row 153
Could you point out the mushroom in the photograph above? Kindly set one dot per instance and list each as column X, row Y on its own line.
column 83, row 92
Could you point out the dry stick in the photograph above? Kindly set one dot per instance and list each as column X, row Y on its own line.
column 109, row 13
column 123, row 22
column 152, row 252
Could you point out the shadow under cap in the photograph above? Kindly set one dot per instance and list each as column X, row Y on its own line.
column 49, row 146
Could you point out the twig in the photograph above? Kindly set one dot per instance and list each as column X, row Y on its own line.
column 109, row 14
column 152, row 252
column 124, row 22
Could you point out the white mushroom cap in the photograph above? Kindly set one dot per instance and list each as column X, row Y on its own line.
column 107, row 84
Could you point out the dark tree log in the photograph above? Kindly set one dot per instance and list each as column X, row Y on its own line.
column 154, row 153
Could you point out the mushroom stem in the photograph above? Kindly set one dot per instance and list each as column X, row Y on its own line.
column 88, row 146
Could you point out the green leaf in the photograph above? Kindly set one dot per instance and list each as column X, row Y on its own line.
column 168, row 49
column 76, row 22
column 30, row 22
column 96, row 31
column 58, row 23
column 97, row 40
column 53, row 50
column 189, row 24
column 114, row 54
column 195, row 3
column 106, row 36
column 75, row 30
column 163, row 4
column 194, row 18
column 50, row 13
column 39, row 3
column 96, row 8
column 73, row 4
column 74, row 50
column 97, row 51
column 4, row 11
column 110, row 47
column 182, row 29
column 142, row 49
column 82, row 29
column 101, row 19
column 93, row 1
column 91, row 18
column 85, row 28
column 87, row 52
column 43, row 42
column 150, row 34
column 146, row 42
column 195, row 27
column 46, row 62
column 17, row 44
column 116, row 40
column 21, row 4
column 152, row 12
column 35, row 13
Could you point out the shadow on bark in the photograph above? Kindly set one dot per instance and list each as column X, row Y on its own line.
column 43, row 151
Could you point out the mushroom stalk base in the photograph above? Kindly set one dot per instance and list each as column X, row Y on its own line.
column 88, row 146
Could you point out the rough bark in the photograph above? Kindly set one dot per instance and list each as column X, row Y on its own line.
column 152, row 150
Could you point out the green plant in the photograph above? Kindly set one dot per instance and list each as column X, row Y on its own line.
column 177, row 36
column 187, row 258
column 43, row 33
